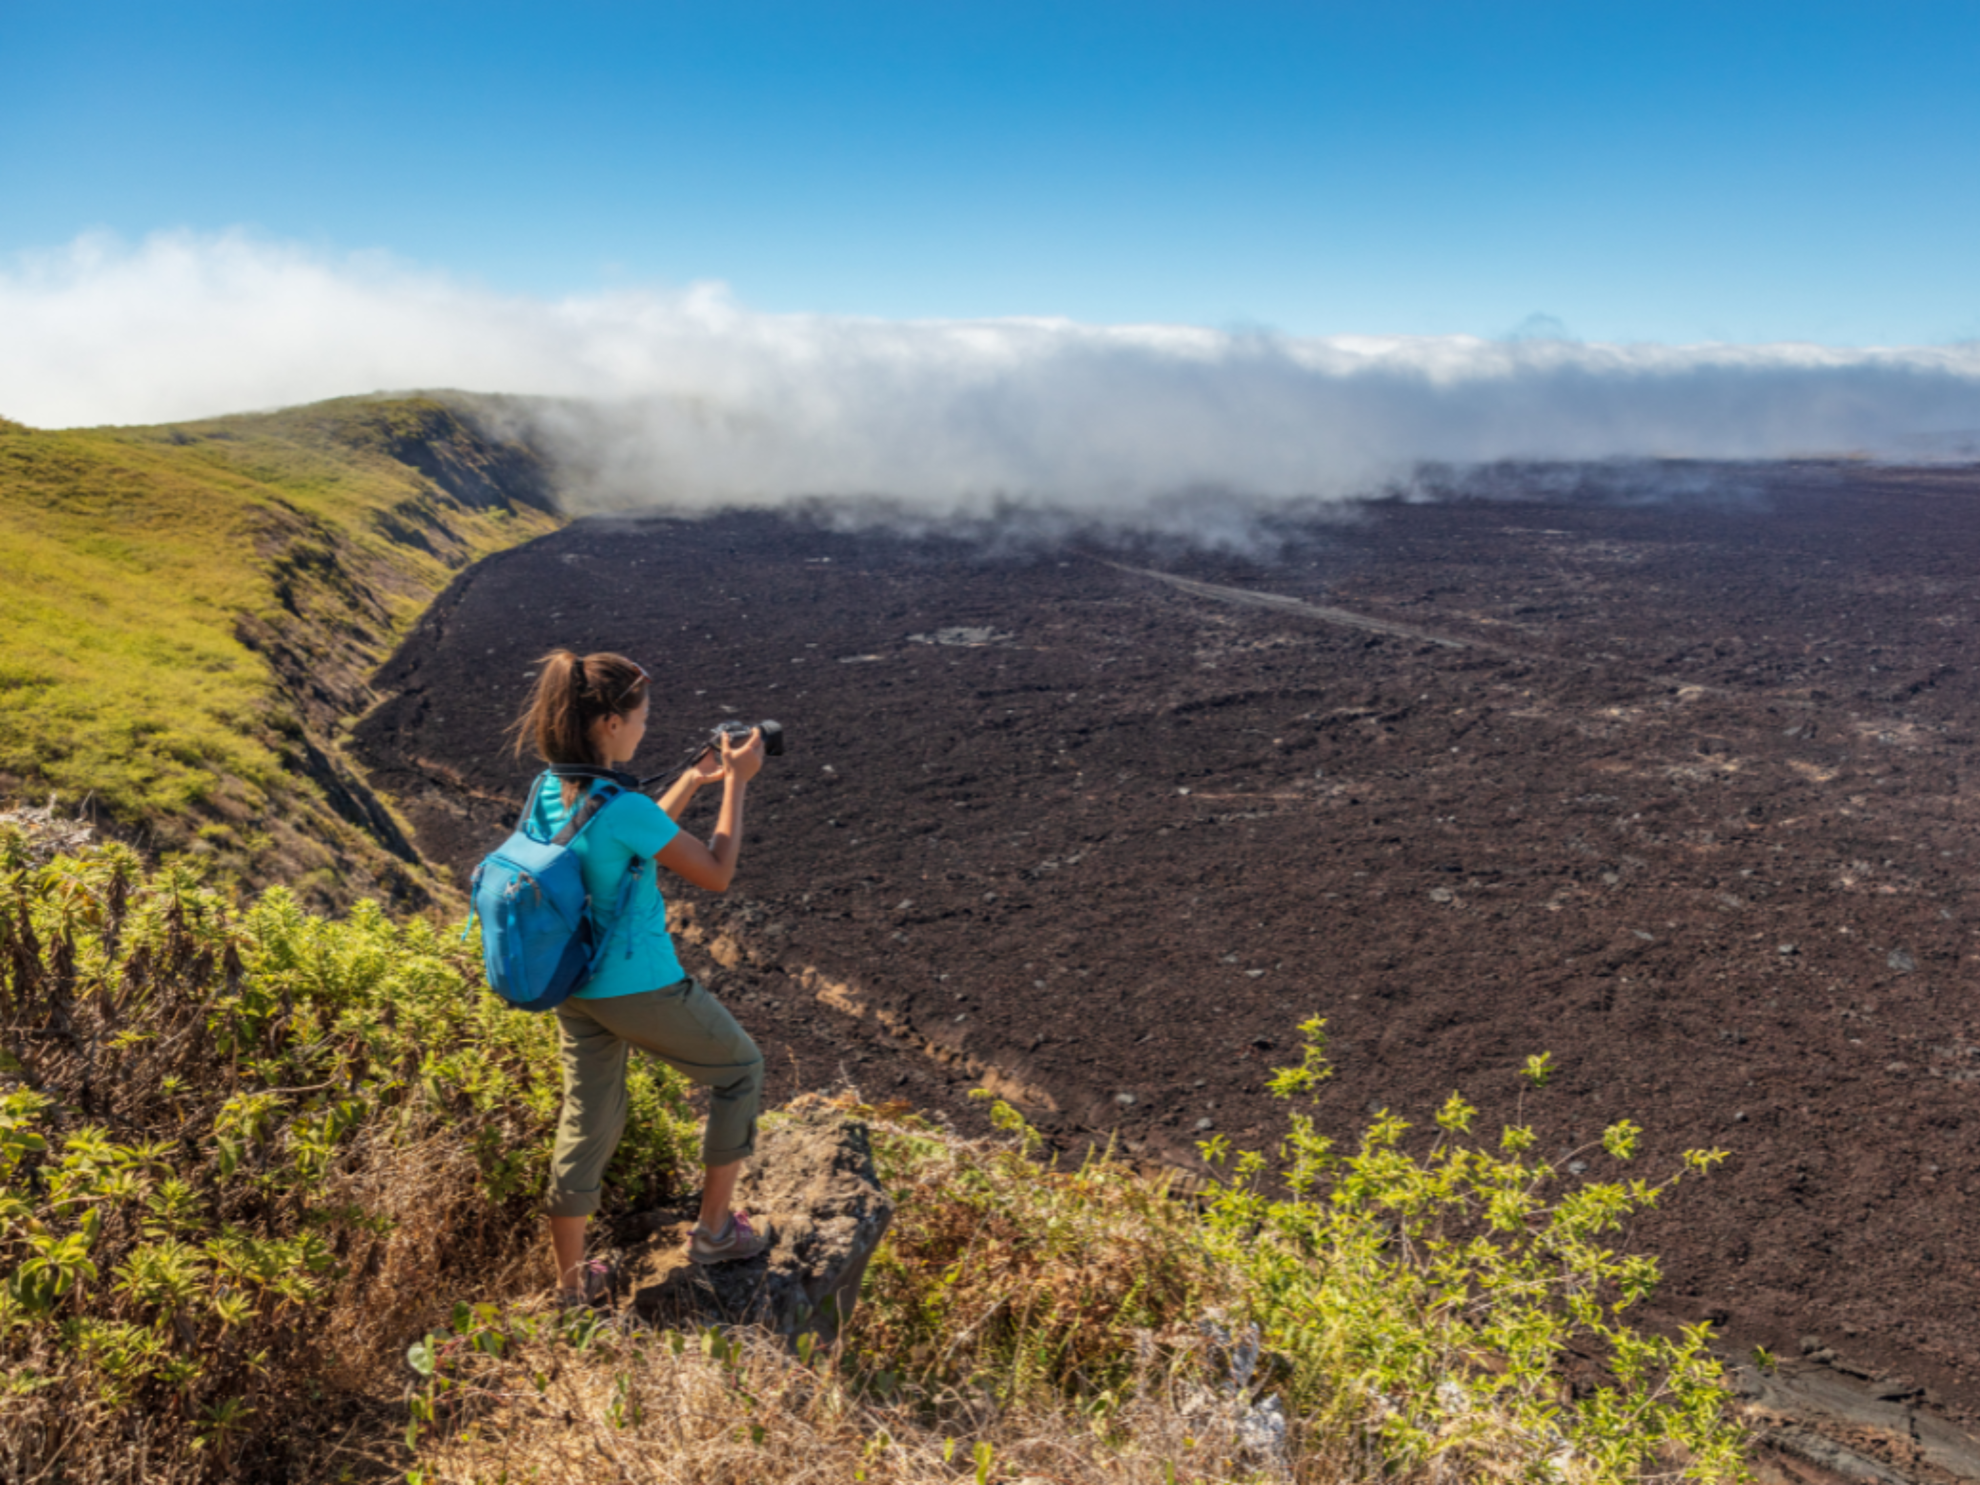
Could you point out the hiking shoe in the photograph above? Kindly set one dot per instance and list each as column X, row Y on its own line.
column 596, row 1292
column 737, row 1241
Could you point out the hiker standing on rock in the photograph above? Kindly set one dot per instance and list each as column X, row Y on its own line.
column 590, row 713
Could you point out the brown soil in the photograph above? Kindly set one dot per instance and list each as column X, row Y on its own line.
column 1680, row 792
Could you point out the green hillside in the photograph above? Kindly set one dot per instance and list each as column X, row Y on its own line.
column 189, row 613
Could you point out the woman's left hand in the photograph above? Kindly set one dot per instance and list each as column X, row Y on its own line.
column 708, row 768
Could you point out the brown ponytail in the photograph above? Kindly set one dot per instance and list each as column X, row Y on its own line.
column 571, row 693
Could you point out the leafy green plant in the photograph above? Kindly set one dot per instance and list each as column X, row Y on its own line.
column 1432, row 1298
column 252, row 1138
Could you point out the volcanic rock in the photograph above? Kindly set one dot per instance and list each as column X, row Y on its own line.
column 812, row 1179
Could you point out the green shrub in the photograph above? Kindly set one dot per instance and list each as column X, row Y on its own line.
column 243, row 1154
column 1415, row 1312
column 1432, row 1300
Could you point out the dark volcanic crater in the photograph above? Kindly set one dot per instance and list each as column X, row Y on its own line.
column 1682, row 794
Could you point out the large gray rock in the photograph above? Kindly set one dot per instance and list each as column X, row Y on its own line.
column 1816, row 1423
column 812, row 1179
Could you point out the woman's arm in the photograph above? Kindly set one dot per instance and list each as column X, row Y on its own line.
column 713, row 866
column 704, row 770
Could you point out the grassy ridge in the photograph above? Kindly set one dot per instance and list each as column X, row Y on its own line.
column 189, row 612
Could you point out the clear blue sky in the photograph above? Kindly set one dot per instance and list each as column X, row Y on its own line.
column 1671, row 172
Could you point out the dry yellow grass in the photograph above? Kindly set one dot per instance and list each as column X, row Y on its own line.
column 650, row 1408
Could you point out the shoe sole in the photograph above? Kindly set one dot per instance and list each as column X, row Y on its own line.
column 710, row 1260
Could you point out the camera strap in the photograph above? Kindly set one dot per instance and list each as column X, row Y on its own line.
column 626, row 780
column 712, row 744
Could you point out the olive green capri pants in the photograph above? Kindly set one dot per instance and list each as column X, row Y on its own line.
column 686, row 1028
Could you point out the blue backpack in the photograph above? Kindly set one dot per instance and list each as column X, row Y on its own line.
column 538, row 939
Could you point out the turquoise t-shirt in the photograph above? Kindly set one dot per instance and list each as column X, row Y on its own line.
column 639, row 952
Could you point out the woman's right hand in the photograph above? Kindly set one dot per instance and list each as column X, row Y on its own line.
column 740, row 761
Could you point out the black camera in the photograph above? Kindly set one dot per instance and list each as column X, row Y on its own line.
column 773, row 742
column 773, row 735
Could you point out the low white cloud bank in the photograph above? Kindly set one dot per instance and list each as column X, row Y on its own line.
column 690, row 397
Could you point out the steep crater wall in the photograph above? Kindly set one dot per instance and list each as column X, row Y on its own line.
column 196, row 611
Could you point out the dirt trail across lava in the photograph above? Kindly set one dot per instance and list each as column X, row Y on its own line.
column 1693, row 808
column 1325, row 613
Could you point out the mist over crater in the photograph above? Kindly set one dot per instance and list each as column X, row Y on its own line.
column 690, row 399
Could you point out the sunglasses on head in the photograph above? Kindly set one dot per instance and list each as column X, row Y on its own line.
column 644, row 679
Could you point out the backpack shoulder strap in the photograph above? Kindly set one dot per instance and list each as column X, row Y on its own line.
column 592, row 771
column 534, row 793
column 600, row 795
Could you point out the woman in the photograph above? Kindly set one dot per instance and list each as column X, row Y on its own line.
column 591, row 711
